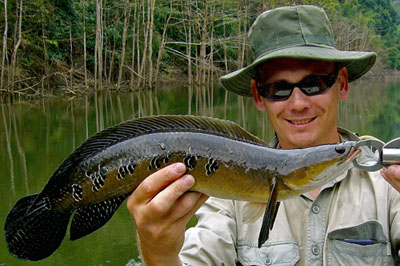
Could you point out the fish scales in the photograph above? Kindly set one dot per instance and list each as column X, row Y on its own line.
column 226, row 161
column 232, row 175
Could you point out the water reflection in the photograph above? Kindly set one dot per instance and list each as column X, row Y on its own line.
column 36, row 136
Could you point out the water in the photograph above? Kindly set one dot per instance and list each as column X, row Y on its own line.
column 36, row 136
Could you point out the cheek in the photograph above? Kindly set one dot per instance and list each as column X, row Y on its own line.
column 274, row 110
column 328, row 104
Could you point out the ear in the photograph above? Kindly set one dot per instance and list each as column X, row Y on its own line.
column 343, row 83
column 258, row 99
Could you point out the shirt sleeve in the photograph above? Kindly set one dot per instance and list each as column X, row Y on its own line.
column 212, row 240
column 394, row 216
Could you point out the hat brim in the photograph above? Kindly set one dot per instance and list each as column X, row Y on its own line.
column 357, row 63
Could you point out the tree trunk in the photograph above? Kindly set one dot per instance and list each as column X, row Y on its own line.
column 246, row 7
column 71, row 55
column 46, row 55
column 203, row 44
column 189, row 45
column 99, row 47
column 16, row 46
column 211, row 61
column 151, row 26
column 4, row 52
column 127, row 13
column 84, row 43
column 162, row 45
column 96, row 44
column 224, row 39
column 239, row 17
column 142, row 70
column 133, row 44
column 110, row 69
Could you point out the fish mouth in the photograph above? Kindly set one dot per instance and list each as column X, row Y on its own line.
column 353, row 154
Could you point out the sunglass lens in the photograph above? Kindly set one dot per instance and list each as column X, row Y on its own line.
column 311, row 85
column 314, row 85
column 279, row 91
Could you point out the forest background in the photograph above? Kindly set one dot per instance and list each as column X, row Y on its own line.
column 77, row 46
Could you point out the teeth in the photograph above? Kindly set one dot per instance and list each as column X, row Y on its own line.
column 301, row 122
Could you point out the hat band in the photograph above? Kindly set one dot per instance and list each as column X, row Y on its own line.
column 293, row 40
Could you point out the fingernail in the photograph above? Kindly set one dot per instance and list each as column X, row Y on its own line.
column 383, row 171
column 393, row 170
column 188, row 180
column 179, row 168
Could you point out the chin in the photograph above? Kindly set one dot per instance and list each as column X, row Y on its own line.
column 303, row 142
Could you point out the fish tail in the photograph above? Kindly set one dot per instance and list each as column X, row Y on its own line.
column 33, row 230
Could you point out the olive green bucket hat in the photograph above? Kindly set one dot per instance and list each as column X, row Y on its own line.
column 301, row 32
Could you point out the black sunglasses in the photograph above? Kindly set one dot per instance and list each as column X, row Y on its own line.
column 311, row 85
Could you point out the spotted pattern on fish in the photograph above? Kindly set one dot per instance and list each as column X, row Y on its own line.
column 167, row 157
column 131, row 165
column 211, row 166
column 88, row 175
column 190, row 161
column 155, row 162
column 127, row 167
column 98, row 178
column 121, row 173
column 77, row 192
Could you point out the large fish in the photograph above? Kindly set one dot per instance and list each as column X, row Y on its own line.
column 226, row 161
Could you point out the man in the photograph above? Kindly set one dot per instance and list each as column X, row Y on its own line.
column 298, row 78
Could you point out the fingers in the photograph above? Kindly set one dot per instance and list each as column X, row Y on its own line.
column 158, row 181
column 162, row 196
column 187, row 205
column 161, row 207
column 171, row 195
column 392, row 175
column 394, row 171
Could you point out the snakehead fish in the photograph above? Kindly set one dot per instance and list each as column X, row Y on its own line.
column 226, row 161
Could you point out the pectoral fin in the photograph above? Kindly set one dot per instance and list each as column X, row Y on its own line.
column 89, row 219
column 269, row 215
column 253, row 211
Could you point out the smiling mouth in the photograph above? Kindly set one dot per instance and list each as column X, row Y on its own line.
column 301, row 122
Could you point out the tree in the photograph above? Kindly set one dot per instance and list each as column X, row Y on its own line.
column 4, row 52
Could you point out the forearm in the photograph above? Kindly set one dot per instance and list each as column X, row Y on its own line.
column 154, row 258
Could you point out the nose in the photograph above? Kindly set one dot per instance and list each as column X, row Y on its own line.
column 298, row 101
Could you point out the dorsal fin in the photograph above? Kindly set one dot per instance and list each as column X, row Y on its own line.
column 164, row 123
column 152, row 124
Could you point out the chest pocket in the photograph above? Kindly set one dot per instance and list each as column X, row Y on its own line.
column 364, row 244
column 282, row 254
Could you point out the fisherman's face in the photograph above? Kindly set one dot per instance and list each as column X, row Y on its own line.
column 302, row 121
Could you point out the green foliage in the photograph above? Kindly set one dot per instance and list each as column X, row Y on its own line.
column 47, row 27
column 382, row 16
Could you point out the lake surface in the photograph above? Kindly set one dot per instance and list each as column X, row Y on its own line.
column 36, row 136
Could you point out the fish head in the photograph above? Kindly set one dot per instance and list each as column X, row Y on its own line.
column 347, row 151
column 313, row 167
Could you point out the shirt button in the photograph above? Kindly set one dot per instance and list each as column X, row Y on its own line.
column 316, row 209
column 315, row 250
column 268, row 261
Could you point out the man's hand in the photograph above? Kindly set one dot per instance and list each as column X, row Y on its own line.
column 392, row 175
column 161, row 208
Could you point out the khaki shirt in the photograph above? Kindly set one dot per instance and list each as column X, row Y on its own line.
column 354, row 220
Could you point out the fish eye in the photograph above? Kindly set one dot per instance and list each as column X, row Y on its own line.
column 340, row 149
